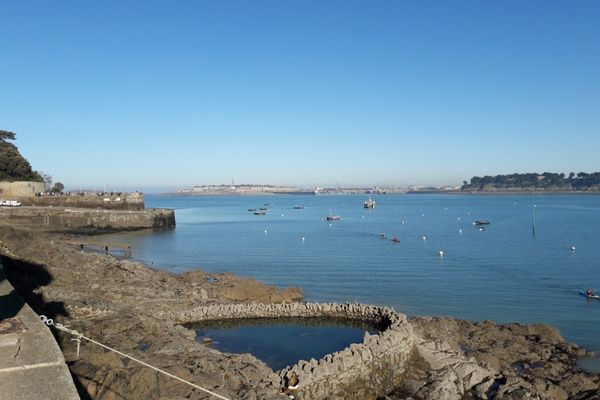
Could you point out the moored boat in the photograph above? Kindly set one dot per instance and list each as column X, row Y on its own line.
column 369, row 203
column 333, row 218
column 481, row 222
column 593, row 296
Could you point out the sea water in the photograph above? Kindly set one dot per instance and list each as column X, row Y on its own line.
column 503, row 272
column 282, row 342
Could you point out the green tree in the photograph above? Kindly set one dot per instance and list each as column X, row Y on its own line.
column 7, row 135
column 13, row 166
column 58, row 187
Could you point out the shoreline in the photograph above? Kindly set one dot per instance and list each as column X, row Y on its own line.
column 128, row 304
column 509, row 192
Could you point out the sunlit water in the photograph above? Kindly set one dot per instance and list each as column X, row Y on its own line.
column 502, row 273
column 282, row 342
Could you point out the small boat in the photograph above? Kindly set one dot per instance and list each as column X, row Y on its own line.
column 381, row 236
column 481, row 222
column 252, row 209
column 369, row 203
column 395, row 240
column 296, row 207
column 263, row 209
column 260, row 213
column 333, row 218
column 594, row 296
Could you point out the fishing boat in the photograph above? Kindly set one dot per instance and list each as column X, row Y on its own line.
column 481, row 222
column 252, row 209
column 369, row 203
column 333, row 218
column 297, row 207
column 260, row 213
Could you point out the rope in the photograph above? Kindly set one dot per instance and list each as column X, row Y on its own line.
column 79, row 336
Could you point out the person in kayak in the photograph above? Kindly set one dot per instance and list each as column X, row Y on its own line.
column 589, row 293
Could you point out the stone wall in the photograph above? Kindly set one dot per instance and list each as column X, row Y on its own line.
column 115, row 201
column 14, row 190
column 361, row 371
column 81, row 220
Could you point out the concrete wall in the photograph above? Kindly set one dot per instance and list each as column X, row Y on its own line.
column 361, row 371
column 14, row 190
column 80, row 220
column 31, row 363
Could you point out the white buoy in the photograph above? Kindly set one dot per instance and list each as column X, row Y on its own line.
column 572, row 248
column 363, row 217
column 265, row 231
column 481, row 229
column 402, row 222
column 459, row 218
column 424, row 238
column 441, row 253
column 422, row 215
column 460, row 231
column 303, row 239
column 330, row 225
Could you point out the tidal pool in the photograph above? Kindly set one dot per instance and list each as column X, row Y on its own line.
column 282, row 341
column 589, row 364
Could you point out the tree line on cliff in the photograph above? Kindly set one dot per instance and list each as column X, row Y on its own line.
column 13, row 166
column 581, row 181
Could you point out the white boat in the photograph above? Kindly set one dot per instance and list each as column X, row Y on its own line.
column 369, row 203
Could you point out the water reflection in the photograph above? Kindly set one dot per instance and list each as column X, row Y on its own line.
column 280, row 342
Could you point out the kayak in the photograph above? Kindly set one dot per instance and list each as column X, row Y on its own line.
column 594, row 296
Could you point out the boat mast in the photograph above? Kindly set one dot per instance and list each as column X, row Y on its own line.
column 533, row 217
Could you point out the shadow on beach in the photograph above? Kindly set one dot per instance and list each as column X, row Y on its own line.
column 10, row 302
column 26, row 278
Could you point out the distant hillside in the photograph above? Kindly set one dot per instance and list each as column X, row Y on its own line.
column 547, row 181
column 13, row 166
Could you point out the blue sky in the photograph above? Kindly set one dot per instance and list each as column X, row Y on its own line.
column 161, row 94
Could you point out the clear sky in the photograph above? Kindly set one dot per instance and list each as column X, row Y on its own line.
column 170, row 94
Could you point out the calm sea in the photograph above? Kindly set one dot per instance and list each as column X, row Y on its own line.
column 501, row 273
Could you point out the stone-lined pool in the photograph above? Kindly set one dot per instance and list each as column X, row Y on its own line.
column 281, row 342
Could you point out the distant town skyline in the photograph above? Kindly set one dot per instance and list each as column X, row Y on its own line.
column 160, row 96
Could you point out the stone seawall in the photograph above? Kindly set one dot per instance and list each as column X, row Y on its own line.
column 13, row 190
column 124, row 201
column 81, row 220
column 362, row 370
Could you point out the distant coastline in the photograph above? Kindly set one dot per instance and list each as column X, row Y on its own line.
column 262, row 190
column 505, row 192
column 546, row 182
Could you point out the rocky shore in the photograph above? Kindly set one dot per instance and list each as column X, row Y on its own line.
column 139, row 311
